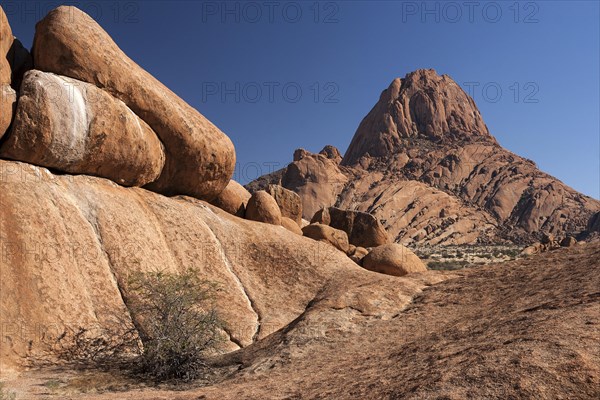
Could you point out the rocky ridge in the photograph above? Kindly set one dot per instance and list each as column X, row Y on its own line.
column 425, row 164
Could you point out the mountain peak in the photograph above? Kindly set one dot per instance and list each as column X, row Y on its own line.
column 422, row 105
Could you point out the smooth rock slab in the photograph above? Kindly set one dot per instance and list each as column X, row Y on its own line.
column 74, row 127
column 200, row 159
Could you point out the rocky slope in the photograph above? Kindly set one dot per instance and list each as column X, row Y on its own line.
column 424, row 162
column 525, row 329
column 69, row 244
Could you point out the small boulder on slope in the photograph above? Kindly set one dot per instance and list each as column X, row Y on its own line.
column 393, row 259
column 327, row 234
column 262, row 207
column 233, row 199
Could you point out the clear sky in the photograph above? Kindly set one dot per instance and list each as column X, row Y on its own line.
column 279, row 75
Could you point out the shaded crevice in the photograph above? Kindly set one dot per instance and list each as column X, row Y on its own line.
column 232, row 338
column 98, row 235
column 240, row 285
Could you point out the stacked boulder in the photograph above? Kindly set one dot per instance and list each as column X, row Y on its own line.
column 74, row 127
column 363, row 229
column 548, row 242
column 364, row 239
column 289, row 202
column 324, row 233
column 89, row 109
column 274, row 206
column 233, row 199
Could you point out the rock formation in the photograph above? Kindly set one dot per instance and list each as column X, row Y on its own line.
column 72, row 126
column 424, row 163
column 262, row 207
column 324, row 233
column 200, row 159
column 315, row 177
column 363, row 229
column 69, row 244
column 393, row 259
column 291, row 225
column 233, row 199
column 8, row 96
column 288, row 201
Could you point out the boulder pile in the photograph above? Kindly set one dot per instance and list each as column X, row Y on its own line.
column 547, row 243
column 89, row 109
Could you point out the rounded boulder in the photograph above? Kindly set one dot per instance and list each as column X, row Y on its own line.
column 233, row 199
column 262, row 207
column 393, row 259
column 327, row 234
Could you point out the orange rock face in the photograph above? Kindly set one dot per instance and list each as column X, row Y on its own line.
column 8, row 96
column 69, row 244
column 233, row 199
column 262, row 207
column 74, row 127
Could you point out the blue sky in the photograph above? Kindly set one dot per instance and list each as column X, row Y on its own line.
column 280, row 75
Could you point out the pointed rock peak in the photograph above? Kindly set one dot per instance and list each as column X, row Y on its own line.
column 422, row 105
column 332, row 153
column 299, row 154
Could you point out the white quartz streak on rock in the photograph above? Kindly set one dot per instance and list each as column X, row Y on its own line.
column 72, row 143
column 77, row 128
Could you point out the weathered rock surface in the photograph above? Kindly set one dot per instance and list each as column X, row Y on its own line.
column 315, row 177
column 6, row 41
column 289, row 202
column 423, row 105
column 69, row 244
column 8, row 104
column 74, row 127
column 393, row 259
column 358, row 254
column 8, row 96
column 363, row 229
column 332, row 153
column 324, row 233
column 262, row 207
column 424, row 163
column 473, row 328
column 200, row 159
column 233, row 199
